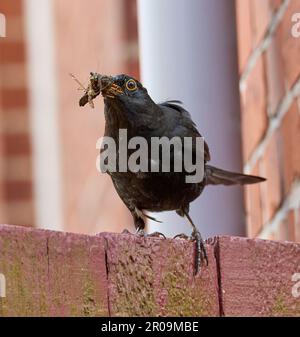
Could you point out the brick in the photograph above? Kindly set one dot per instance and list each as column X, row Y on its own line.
column 17, row 168
column 287, row 230
column 14, row 121
column 18, row 212
column 261, row 17
column 17, row 190
column 244, row 31
column 154, row 277
column 84, row 188
column 11, row 52
column 16, row 144
column 257, row 281
column 290, row 46
column 133, row 68
column 13, row 76
column 15, row 28
column 274, row 74
column 290, row 138
column 270, row 167
column 282, row 232
column 275, row 4
column 14, row 98
column 9, row 7
column 131, row 20
column 254, row 105
column 52, row 274
column 253, row 207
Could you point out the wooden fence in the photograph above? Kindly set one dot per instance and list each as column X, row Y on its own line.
column 47, row 273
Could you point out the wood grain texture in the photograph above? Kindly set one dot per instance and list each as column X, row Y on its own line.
column 256, row 277
column 62, row 274
column 155, row 277
column 52, row 274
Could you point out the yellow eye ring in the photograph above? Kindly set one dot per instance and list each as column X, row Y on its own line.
column 131, row 85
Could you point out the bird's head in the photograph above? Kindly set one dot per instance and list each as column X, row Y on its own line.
column 124, row 97
column 121, row 87
column 125, row 93
column 118, row 90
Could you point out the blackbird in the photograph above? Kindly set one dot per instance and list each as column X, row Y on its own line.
column 129, row 106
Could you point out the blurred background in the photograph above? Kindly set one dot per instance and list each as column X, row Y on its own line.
column 234, row 64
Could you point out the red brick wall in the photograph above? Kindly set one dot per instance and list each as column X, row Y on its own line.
column 15, row 141
column 270, row 85
column 98, row 35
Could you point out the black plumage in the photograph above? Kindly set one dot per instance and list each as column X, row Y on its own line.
column 128, row 106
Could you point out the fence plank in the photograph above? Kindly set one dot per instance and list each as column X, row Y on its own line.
column 52, row 274
column 155, row 277
column 256, row 277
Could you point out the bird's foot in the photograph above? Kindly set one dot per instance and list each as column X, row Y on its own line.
column 156, row 235
column 142, row 233
column 181, row 236
column 126, row 231
column 201, row 255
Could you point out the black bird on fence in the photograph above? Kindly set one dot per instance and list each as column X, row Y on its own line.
column 129, row 106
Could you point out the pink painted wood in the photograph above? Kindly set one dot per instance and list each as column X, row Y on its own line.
column 52, row 274
column 258, row 277
column 62, row 274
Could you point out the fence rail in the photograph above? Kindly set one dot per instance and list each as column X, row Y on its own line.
column 49, row 273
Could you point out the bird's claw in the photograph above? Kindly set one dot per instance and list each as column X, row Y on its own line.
column 141, row 232
column 201, row 255
column 126, row 231
column 181, row 236
column 156, row 235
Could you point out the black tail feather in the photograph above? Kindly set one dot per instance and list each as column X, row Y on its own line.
column 216, row 176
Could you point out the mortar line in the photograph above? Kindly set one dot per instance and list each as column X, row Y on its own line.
column 274, row 123
column 264, row 44
column 291, row 202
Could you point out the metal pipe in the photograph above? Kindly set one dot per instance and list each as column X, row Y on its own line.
column 188, row 52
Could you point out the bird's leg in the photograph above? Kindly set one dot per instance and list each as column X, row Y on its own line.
column 139, row 223
column 182, row 235
column 201, row 255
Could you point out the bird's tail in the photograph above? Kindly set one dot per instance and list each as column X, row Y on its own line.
column 216, row 176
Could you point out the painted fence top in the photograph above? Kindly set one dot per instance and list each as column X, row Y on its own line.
column 47, row 273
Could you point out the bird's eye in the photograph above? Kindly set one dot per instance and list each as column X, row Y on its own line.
column 131, row 85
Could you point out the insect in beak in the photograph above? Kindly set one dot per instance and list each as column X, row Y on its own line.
column 90, row 92
column 98, row 84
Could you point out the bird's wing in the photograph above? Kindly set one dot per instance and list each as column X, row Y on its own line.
column 177, row 105
column 184, row 123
